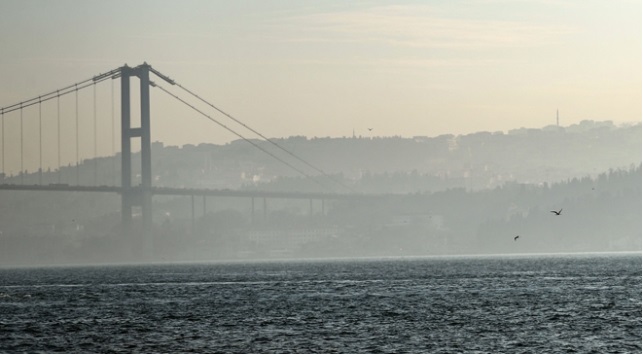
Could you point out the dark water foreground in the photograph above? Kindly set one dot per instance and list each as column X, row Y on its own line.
column 561, row 304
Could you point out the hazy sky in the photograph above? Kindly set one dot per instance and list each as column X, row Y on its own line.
column 327, row 68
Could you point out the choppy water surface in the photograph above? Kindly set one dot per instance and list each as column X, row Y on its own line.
column 571, row 304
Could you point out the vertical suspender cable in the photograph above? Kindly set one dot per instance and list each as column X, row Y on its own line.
column 77, row 145
column 112, row 139
column 95, row 141
column 40, row 142
column 22, row 172
column 58, row 119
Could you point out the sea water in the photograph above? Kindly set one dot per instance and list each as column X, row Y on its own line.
column 525, row 304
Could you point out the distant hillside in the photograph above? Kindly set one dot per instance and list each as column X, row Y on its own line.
column 450, row 195
column 407, row 165
column 382, row 164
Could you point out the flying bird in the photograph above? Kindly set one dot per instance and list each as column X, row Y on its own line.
column 557, row 212
column 369, row 129
column 516, row 238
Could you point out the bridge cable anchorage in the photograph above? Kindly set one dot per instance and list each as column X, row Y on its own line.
column 237, row 134
column 254, row 131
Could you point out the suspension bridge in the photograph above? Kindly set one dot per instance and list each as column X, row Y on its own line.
column 51, row 145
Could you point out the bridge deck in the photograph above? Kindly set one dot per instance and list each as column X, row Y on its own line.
column 189, row 192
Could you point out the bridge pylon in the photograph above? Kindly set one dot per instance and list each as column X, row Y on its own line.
column 140, row 195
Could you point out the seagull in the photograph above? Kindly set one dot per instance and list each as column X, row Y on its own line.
column 516, row 238
column 557, row 212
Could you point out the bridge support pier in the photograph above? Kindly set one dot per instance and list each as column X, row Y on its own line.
column 140, row 195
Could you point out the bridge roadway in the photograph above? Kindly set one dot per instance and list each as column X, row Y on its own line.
column 61, row 187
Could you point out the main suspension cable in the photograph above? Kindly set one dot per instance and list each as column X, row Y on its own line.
column 74, row 88
column 237, row 134
column 264, row 137
column 58, row 93
column 253, row 130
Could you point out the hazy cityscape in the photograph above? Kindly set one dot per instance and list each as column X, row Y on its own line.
column 445, row 195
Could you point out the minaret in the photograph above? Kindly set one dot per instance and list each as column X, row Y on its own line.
column 557, row 121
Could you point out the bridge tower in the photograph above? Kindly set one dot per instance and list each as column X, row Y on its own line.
column 141, row 195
